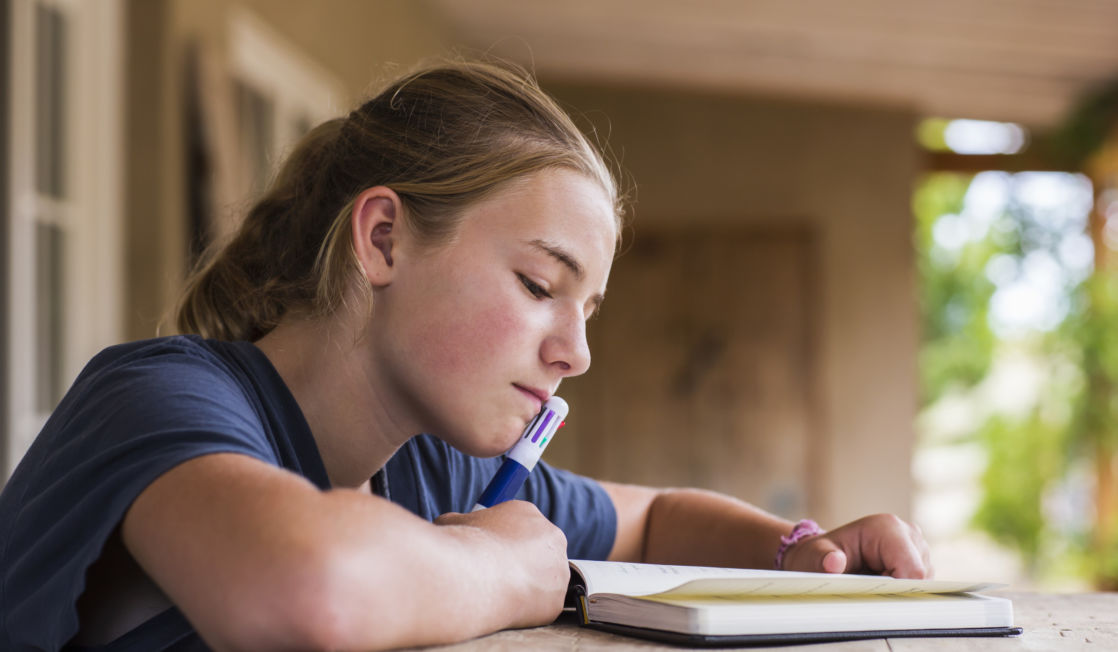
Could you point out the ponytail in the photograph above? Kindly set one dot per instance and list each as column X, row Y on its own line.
column 242, row 289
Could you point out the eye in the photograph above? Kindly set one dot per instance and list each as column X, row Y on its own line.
column 533, row 287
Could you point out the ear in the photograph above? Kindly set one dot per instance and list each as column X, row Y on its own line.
column 376, row 232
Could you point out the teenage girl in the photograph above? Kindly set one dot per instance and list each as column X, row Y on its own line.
column 426, row 264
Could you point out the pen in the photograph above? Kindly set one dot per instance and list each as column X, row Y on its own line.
column 522, row 457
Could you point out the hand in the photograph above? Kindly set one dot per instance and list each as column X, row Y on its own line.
column 530, row 559
column 880, row 544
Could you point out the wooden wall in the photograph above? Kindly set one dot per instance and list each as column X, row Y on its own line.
column 703, row 367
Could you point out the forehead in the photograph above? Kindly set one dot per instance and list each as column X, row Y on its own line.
column 559, row 207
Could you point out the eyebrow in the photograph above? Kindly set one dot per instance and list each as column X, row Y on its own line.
column 560, row 254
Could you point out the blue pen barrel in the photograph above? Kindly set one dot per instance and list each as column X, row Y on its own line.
column 522, row 457
column 505, row 484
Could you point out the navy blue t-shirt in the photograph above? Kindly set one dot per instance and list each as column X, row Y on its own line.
column 139, row 409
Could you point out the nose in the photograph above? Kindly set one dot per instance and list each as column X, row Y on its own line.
column 566, row 349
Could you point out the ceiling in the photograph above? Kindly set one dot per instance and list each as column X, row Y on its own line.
column 1014, row 60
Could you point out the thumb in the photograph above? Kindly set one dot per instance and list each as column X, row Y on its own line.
column 817, row 555
column 834, row 561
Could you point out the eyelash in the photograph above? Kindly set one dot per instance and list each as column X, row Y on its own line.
column 533, row 287
column 538, row 292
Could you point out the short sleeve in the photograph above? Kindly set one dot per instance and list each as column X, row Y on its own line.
column 429, row 478
column 578, row 505
column 132, row 415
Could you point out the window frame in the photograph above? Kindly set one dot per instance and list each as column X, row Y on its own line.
column 90, row 213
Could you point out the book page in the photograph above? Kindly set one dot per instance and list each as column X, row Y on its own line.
column 648, row 579
column 629, row 578
column 820, row 584
column 645, row 579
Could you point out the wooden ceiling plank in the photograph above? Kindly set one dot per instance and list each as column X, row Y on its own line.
column 1026, row 58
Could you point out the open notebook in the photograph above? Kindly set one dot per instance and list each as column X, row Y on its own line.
column 723, row 606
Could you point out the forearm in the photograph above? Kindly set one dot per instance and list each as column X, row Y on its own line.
column 697, row 527
column 258, row 559
column 427, row 584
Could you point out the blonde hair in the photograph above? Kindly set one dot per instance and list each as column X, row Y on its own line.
column 442, row 138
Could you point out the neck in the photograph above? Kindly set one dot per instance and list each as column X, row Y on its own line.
column 330, row 375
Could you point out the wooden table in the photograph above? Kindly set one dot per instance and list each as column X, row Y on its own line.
column 1081, row 621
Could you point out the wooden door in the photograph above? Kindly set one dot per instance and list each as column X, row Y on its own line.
column 702, row 371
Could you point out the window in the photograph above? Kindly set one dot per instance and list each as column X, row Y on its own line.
column 63, row 203
column 279, row 95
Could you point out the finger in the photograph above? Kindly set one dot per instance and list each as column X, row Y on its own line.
column 817, row 555
column 882, row 543
column 901, row 553
column 447, row 518
column 834, row 562
column 925, row 551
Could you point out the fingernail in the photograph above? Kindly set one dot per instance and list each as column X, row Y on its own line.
column 834, row 562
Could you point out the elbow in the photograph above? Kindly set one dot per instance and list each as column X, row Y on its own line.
column 320, row 591
column 325, row 607
column 308, row 603
column 343, row 598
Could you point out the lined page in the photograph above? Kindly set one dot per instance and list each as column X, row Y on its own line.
column 820, row 584
column 647, row 579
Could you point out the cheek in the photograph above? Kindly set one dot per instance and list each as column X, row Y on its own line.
column 464, row 341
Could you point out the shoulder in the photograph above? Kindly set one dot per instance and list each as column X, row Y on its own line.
column 176, row 389
column 178, row 353
column 171, row 368
column 139, row 383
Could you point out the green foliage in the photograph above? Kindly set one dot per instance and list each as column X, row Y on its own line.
column 1026, row 458
column 954, row 293
column 1035, row 458
column 1089, row 332
column 1030, row 458
column 930, row 133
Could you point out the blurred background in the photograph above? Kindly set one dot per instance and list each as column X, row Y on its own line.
column 869, row 267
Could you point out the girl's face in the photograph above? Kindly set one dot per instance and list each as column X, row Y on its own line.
column 473, row 336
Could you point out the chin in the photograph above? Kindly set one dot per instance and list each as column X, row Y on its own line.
column 478, row 446
column 483, row 450
column 501, row 446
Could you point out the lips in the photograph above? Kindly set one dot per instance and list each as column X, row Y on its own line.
column 538, row 395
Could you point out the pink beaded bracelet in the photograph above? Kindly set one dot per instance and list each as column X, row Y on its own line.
column 802, row 530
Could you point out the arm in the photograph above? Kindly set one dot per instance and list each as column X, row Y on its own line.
column 258, row 558
column 697, row 527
